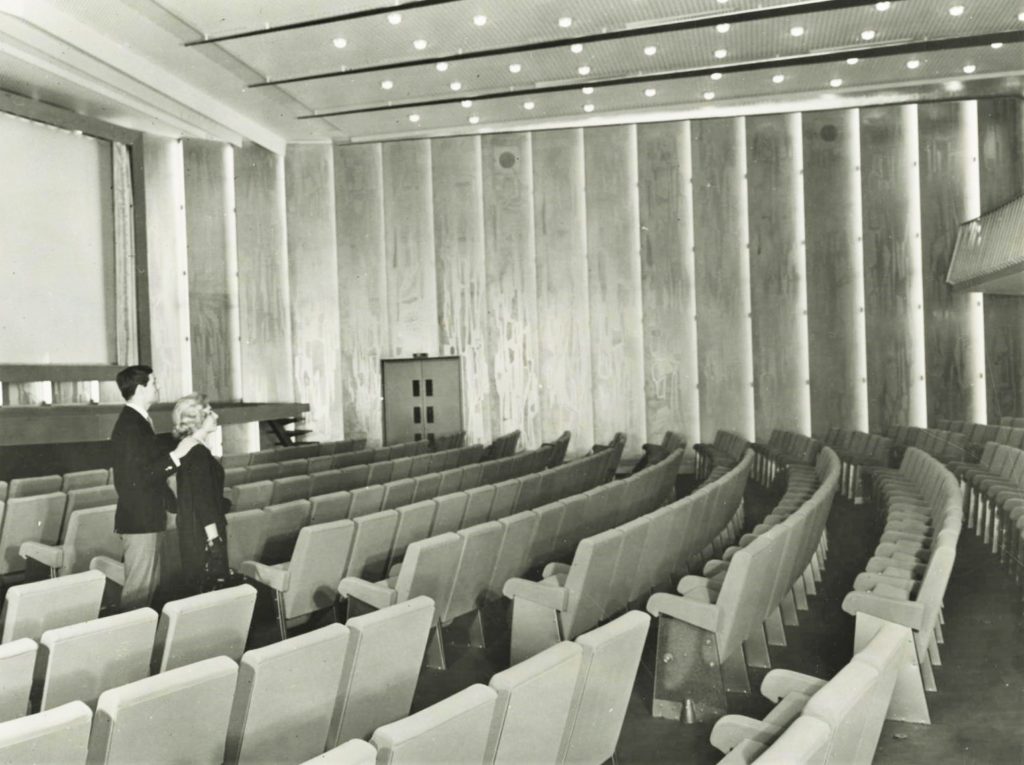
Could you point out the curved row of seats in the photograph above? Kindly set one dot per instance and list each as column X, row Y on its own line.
column 905, row 580
column 723, row 454
column 817, row 721
column 944, row 445
column 784, row 448
column 857, row 449
column 728, row 617
column 463, row 570
column 994, row 496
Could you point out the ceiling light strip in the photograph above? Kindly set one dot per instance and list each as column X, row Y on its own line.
column 365, row 13
column 875, row 51
column 733, row 17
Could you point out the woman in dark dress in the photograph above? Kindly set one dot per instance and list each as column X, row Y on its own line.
column 202, row 528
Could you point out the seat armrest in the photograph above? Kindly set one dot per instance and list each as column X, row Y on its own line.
column 372, row 593
column 547, row 595
column 275, row 577
column 49, row 555
column 110, row 568
column 732, row 730
column 555, row 569
column 690, row 610
column 906, row 612
column 779, row 683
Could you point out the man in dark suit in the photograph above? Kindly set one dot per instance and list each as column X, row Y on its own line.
column 141, row 468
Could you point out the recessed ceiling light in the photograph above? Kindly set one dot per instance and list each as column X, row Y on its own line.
column 456, row 86
column 836, row 83
column 394, row 18
column 467, row 103
column 997, row 45
column 883, row 6
column 473, row 120
column 913, row 64
column 867, row 34
column 583, row 70
column 339, row 42
column 723, row 28
column 721, row 53
column 650, row 92
column 796, row 31
column 650, row 50
column 778, row 79
column 956, row 10
column 515, row 68
column 970, row 69
column 716, row 76
column 387, row 84
column 528, row 105
column 853, row 61
column 1020, row 16
column 442, row 66
column 576, row 47
column 480, row 20
column 588, row 107
column 565, row 22
column 953, row 86
column 414, row 118
column 588, row 90
column 709, row 95
column 419, row 44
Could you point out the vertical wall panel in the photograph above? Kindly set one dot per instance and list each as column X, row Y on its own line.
column 264, row 318
column 835, row 271
column 665, row 175
column 312, row 264
column 563, row 296
column 212, row 269
column 722, row 276
column 409, row 246
column 954, row 346
column 892, row 266
column 778, row 293
column 613, row 255
column 167, row 265
column 461, row 273
column 1002, row 179
column 362, row 285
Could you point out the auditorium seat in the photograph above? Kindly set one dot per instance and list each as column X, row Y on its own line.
column 232, row 461
column 397, row 493
column 35, row 518
column 611, row 657
column 428, row 569
column 290, row 489
column 293, row 468
column 479, row 546
column 532, row 710
column 267, row 471
column 250, row 496
column 84, row 479
column 567, row 601
column 380, row 472
column 366, row 500
column 17, row 664
column 511, row 559
column 285, row 697
column 371, row 545
column 332, row 506
column 81, row 661
column 427, row 487
column 59, row 736
column 31, row 609
column 90, row 532
column 198, row 627
column 478, row 505
column 308, row 582
column 353, row 752
column 247, row 534
column 450, row 510
column 382, row 666
column 283, row 524
column 454, row 731
column 177, row 716
column 30, row 487
column 449, row 482
column 506, row 493
column 414, row 522
column 472, row 476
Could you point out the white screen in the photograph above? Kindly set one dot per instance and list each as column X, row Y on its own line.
column 56, row 246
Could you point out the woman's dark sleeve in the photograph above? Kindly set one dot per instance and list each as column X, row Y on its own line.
column 200, row 492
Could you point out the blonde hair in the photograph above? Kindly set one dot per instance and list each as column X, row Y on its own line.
column 189, row 414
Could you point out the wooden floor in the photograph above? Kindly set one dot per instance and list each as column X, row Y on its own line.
column 978, row 712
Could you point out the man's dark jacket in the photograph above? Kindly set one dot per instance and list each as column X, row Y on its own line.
column 141, row 467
